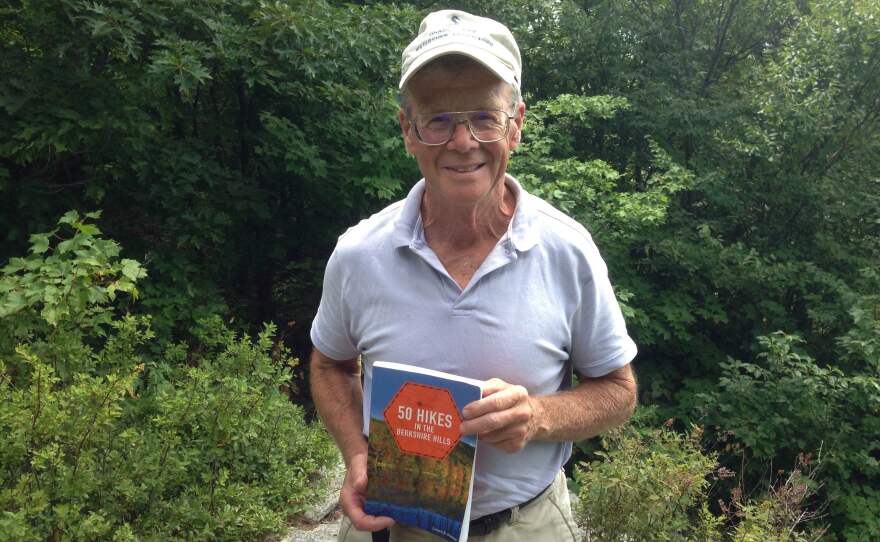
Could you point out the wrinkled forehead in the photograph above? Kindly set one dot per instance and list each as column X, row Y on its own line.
column 452, row 65
column 456, row 83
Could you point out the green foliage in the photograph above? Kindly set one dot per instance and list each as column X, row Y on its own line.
column 724, row 156
column 552, row 164
column 645, row 487
column 59, row 296
column 759, row 120
column 64, row 278
column 226, row 137
column 105, row 442
column 785, row 403
column 653, row 485
column 763, row 522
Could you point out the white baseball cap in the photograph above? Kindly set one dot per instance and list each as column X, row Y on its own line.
column 450, row 32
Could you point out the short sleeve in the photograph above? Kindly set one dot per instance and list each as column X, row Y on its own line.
column 331, row 328
column 600, row 343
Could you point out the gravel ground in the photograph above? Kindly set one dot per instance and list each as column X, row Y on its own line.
column 321, row 522
column 325, row 531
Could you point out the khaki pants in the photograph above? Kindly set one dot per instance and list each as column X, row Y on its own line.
column 547, row 519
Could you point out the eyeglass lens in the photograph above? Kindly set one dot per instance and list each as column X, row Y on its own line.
column 485, row 126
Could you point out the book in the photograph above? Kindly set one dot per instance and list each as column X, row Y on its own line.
column 420, row 468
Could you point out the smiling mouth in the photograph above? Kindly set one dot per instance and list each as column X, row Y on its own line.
column 465, row 169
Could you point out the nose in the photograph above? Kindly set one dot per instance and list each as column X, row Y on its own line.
column 462, row 139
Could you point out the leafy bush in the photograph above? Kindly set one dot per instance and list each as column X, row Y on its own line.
column 723, row 154
column 102, row 442
column 224, row 138
column 786, row 403
column 646, row 486
column 654, row 485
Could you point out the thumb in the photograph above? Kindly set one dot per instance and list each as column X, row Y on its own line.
column 359, row 481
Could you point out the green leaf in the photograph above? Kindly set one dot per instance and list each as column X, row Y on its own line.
column 39, row 242
column 87, row 229
column 69, row 217
column 50, row 315
column 65, row 246
column 131, row 269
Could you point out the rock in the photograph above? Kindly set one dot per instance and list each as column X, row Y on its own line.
column 334, row 477
column 322, row 532
column 320, row 522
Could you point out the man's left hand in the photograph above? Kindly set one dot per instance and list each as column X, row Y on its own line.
column 506, row 417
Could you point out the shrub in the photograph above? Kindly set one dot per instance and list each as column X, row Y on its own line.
column 102, row 442
column 646, row 486
column 654, row 485
column 786, row 403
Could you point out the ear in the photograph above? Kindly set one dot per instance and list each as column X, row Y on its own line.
column 406, row 131
column 519, row 119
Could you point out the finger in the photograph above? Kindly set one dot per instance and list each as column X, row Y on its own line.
column 490, row 387
column 493, row 385
column 510, row 445
column 508, row 439
column 482, row 424
column 353, row 506
column 502, row 399
column 498, row 421
column 370, row 523
column 359, row 482
column 354, row 486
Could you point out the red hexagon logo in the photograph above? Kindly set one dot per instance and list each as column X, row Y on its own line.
column 423, row 420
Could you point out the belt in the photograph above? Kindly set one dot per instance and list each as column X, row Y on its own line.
column 480, row 526
column 486, row 524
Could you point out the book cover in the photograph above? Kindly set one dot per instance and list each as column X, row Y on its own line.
column 420, row 467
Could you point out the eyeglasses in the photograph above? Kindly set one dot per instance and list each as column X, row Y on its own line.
column 485, row 126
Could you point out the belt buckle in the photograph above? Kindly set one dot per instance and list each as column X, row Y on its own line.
column 487, row 524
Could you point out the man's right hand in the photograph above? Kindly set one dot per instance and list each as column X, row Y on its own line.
column 354, row 487
column 337, row 392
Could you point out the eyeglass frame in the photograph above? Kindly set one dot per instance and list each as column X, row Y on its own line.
column 458, row 119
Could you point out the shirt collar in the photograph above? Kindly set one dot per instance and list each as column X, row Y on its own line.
column 521, row 231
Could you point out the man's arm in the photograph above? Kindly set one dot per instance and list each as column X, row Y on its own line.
column 508, row 418
column 337, row 392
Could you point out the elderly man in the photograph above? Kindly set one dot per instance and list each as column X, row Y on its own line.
column 472, row 275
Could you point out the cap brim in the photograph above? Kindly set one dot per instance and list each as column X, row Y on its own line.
column 486, row 59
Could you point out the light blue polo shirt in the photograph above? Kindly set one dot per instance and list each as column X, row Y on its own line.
column 540, row 298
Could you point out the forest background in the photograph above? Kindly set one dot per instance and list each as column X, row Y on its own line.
column 725, row 155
